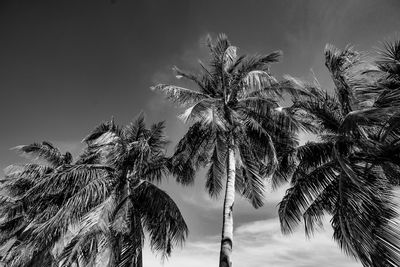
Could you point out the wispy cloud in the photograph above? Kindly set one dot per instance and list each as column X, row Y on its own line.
column 261, row 243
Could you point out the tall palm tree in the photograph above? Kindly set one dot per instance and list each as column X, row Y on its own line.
column 346, row 173
column 238, row 129
column 107, row 197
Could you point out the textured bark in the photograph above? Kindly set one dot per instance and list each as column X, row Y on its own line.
column 227, row 225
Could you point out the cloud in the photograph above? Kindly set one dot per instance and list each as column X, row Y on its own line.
column 260, row 243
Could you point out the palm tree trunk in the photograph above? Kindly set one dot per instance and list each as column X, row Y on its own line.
column 227, row 225
column 139, row 259
column 138, row 233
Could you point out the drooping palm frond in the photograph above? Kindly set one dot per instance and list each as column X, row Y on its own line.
column 358, row 235
column 186, row 158
column 306, row 186
column 323, row 203
column 217, row 169
column 252, row 178
column 161, row 217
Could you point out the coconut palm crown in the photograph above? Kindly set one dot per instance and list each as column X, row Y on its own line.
column 134, row 205
column 100, row 205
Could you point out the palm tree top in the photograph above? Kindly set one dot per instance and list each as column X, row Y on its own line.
column 234, row 102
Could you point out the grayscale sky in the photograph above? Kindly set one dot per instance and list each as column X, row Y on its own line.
column 67, row 65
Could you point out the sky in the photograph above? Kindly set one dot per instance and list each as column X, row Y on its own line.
column 67, row 65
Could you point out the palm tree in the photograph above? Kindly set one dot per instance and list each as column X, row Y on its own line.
column 107, row 198
column 238, row 129
column 384, row 94
column 346, row 173
column 16, row 215
column 135, row 204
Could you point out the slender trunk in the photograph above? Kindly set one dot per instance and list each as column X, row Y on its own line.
column 116, row 246
column 139, row 259
column 227, row 225
column 138, row 233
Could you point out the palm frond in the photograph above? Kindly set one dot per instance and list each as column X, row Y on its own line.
column 313, row 154
column 229, row 58
column 251, row 177
column 342, row 64
column 365, row 117
column 199, row 80
column 154, row 169
column 306, row 187
column 388, row 99
column 258, row 80
column 101, row 129
column 86, row 195
column 217, row 168
column 374, row 210
column 182, row 96
column 160, row 216
column 78, row 176
column 72, row 252
column 390, row 58
column 323, row 203
column 187, row 157
column 45, row 151
column 136, row 129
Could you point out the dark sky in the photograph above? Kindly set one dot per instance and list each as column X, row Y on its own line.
column 67, row 65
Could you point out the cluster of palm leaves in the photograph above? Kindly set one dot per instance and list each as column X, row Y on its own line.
column 57, row 212
column 101, row 204
column 351, row 171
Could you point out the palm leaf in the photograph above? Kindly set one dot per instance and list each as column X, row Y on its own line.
column 160, row 216
column 45, row 151
column 180, row 95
